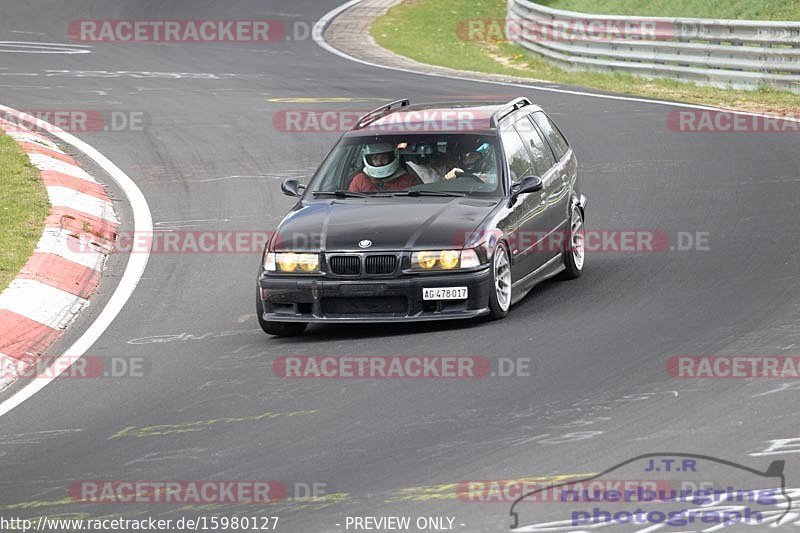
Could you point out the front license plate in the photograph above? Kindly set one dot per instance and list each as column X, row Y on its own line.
column 445, row 293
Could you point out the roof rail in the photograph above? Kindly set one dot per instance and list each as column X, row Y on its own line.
column 379, row 112
column 510, row 107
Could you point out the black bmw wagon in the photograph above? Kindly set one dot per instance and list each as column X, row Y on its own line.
column 426, row 212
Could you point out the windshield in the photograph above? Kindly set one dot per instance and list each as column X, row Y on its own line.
column 414, row 165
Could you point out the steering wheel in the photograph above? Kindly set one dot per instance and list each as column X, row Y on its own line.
column 411, row 170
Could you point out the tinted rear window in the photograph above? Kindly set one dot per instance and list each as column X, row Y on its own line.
column 557, row 141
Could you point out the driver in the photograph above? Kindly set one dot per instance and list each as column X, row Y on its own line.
column 382, row 171
column 473, row 162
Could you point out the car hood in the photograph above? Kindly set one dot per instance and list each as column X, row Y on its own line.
column 390, row 224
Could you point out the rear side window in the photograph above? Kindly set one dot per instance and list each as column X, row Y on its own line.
column 519, row 160
column 542, row 156
column 557, row 141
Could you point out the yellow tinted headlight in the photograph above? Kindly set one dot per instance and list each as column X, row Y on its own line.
column 308, row 262
column 297, row 262
column 449, row 259
column 426, row 260
column 445, row 259
column 287, row 261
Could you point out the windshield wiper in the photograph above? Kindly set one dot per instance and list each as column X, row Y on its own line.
column 341, row 193
column 429, row 193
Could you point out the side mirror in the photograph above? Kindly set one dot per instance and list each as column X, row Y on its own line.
column 528, row 184
column 291, row 187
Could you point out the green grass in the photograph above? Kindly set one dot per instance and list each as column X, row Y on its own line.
column 721, row 9
column 426, row 30
column 23, row 208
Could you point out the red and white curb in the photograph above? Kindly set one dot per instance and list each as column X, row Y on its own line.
column 56, row 282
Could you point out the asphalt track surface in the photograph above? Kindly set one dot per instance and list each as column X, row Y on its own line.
column 211, row 159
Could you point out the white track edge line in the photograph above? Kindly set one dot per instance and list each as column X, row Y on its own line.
column 143, row 223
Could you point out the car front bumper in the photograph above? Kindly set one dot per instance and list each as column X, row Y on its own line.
column 326, row 300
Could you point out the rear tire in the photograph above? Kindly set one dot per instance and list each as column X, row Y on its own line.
column 278, row 329
column 500, row 295
column 575, row 249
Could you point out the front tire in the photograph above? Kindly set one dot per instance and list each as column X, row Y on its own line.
column 575, row 251
column 500, row 296
column 278, row 329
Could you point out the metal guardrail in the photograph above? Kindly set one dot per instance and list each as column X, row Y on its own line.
column 729, row 53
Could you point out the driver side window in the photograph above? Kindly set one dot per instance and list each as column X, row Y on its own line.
column 519, row 160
